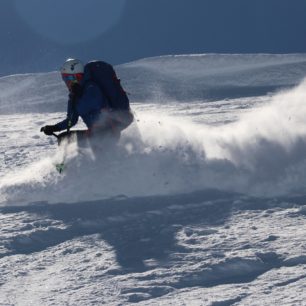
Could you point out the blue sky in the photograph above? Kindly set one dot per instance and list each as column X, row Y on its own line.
column 38, row 35
column 70, row 21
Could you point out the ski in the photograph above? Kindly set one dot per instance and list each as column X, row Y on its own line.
column 60, row 167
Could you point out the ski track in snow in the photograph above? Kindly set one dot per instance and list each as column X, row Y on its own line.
column 202, row 202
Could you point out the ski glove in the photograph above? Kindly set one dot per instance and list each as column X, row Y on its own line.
column 48, row 129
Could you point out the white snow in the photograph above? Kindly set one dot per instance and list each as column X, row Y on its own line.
column 202, row 202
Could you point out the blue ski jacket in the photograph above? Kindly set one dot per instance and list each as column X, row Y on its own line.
column 88, row 107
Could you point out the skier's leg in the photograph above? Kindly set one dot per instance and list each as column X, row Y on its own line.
column 122, row 119
column 73, row 136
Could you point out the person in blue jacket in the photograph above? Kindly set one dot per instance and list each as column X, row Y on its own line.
column 86, row 100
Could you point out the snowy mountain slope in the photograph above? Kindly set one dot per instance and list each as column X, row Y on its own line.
column 202, row 202
column 211, row 76
column 31, row 93
column 200, row 248
column 184, row 78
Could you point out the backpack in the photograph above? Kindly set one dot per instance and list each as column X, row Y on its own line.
column 104, row 75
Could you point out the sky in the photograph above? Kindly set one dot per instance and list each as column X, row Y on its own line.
column 70, row 21
column 37, row 36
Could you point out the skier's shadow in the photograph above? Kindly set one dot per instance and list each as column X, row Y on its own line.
column 139, row 229
column 150, row 230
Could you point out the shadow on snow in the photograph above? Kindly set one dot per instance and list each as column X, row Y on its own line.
column 137, row 228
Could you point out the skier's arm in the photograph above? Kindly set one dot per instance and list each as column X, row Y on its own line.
column 71, row 119
column 92, row 100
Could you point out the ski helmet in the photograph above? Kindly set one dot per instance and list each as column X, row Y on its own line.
column 72, row 66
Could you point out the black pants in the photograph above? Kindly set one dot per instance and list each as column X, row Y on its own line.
column 109, row 128
column 72, row 136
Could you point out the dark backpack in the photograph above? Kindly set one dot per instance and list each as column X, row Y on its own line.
column 104, row 75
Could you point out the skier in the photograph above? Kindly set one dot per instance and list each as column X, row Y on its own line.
column 101, row 112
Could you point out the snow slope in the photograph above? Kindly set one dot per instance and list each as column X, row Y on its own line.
column 202, row 202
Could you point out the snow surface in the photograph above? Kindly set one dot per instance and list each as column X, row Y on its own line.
column 202, row 201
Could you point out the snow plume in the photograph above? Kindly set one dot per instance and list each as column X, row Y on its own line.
column 36, row 182
column 264, row 152
column 269, row 144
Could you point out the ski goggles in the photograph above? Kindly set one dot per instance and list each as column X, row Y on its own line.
column 67, row 77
